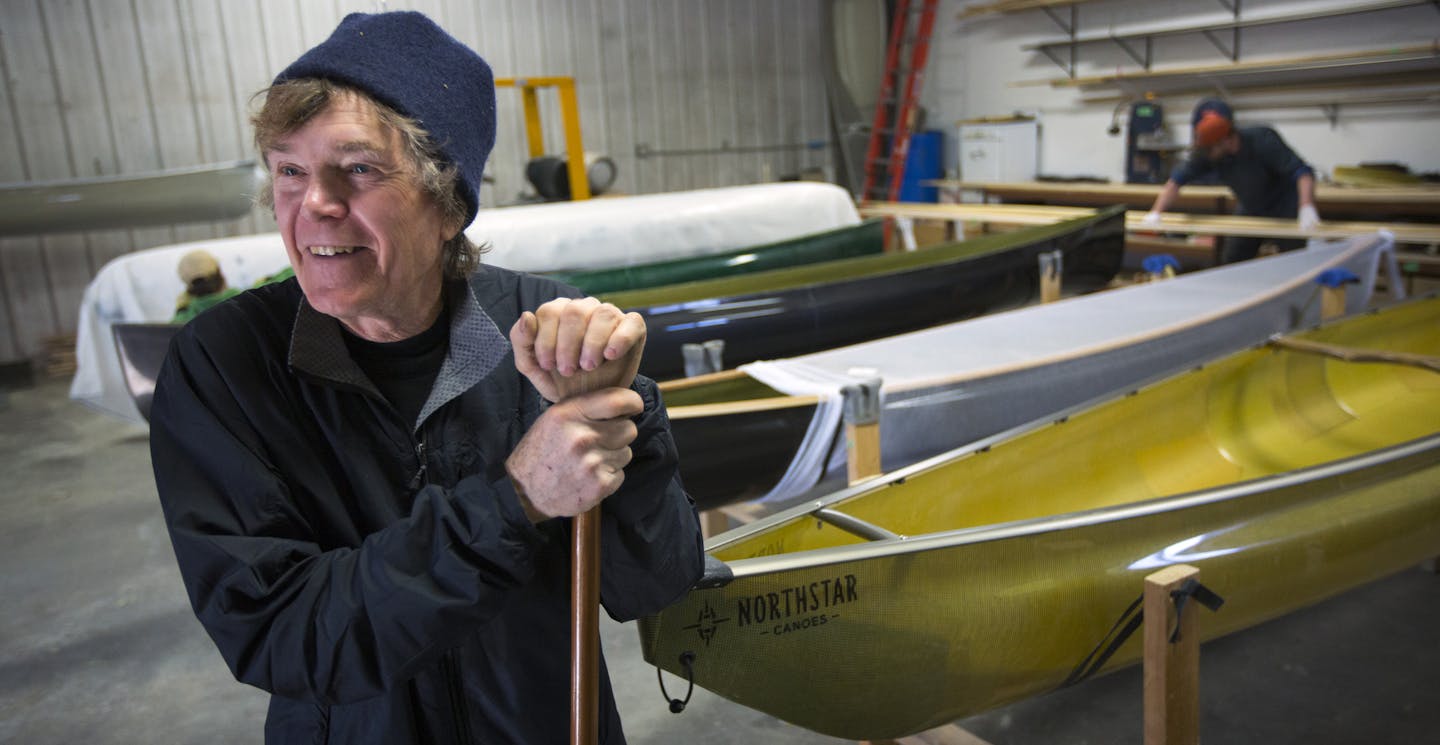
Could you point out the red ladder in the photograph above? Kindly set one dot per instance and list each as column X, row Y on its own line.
column 909, row 43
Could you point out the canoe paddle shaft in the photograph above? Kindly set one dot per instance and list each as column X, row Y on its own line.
column 584, row 627
column 584, row 602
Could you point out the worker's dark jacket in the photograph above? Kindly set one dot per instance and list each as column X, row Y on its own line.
column 381, row 579
column 1262, row 174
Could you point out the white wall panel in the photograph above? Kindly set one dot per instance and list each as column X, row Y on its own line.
column 979, row 62
column 122, row 87
column 11, row 170
column 617, row 104
column 38, row 127
column 84, row 115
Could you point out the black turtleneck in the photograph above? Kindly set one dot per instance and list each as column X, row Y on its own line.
column 404, row 370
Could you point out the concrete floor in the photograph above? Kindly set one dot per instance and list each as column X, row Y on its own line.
column 98, row 645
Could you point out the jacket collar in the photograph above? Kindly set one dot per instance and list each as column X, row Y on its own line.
column 477, row 346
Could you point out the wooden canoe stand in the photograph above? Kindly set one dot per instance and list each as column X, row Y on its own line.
column 1052, row 270
column 1172, row 669
column 862, row 445
column 862, row 429
column 1332, row 302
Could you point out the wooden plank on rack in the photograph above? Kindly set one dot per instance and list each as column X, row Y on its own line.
column 1275, row 227
column 1206, row 198
column 1250, row 21
column 1361, row 57
column 1171, row 222
column 1017, row 214
column 1409, row 201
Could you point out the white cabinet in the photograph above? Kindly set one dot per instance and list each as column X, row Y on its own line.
column 999, row 151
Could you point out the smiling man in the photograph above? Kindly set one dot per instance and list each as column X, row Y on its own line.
column 366, row 483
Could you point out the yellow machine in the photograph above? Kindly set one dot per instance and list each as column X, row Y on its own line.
column 569, row 114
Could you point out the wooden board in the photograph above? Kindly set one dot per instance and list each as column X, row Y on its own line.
column 1420, row 201
column 1275, row 227
column 1360, row 57
column 1171, row 222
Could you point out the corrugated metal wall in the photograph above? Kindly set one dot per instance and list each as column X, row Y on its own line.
column 117, row 87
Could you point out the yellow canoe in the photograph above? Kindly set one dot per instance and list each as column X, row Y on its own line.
column 990, row 573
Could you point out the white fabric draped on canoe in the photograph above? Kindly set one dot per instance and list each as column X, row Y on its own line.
column 960, row 383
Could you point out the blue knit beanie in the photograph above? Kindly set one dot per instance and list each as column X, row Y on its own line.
column 405, row 61
column 1210, row 104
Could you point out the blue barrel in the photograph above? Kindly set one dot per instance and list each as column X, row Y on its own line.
column 925, row 162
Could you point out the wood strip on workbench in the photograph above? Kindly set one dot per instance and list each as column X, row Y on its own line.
column 1415, row 201
column 1171, row 222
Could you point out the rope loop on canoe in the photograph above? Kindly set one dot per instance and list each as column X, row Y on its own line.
column 1124, row 626
column 1129, row 622
column 687, row 660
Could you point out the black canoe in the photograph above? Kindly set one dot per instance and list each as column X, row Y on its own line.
column 796, row 311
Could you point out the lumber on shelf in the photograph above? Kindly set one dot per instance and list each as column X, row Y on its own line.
column 1282, row 64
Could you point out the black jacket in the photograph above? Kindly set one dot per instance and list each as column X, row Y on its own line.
column 1262, row 174
column 380, row 578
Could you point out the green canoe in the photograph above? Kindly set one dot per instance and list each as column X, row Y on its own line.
column 842, row 243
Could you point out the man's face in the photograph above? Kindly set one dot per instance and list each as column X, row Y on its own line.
column 363, row 236
column 1225, row 148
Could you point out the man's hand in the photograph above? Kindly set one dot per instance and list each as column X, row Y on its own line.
column 1309, row 218
column 575, row 454
column 1151, row 219
column 573, row 346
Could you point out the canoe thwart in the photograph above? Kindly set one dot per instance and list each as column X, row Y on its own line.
column 855, row 526
column 1356, row 354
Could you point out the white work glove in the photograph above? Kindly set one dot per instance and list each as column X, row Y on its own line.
column 1151, row 219
column 1309, row 218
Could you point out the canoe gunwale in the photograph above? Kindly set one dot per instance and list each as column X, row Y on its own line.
column 759, row 566
column 747, row 406
column 980, row 534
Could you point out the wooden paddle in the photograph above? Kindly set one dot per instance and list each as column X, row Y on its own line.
column 585, row 563
column 584, row 627
column 584, row 601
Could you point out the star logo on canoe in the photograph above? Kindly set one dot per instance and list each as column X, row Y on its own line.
column 707, row 622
